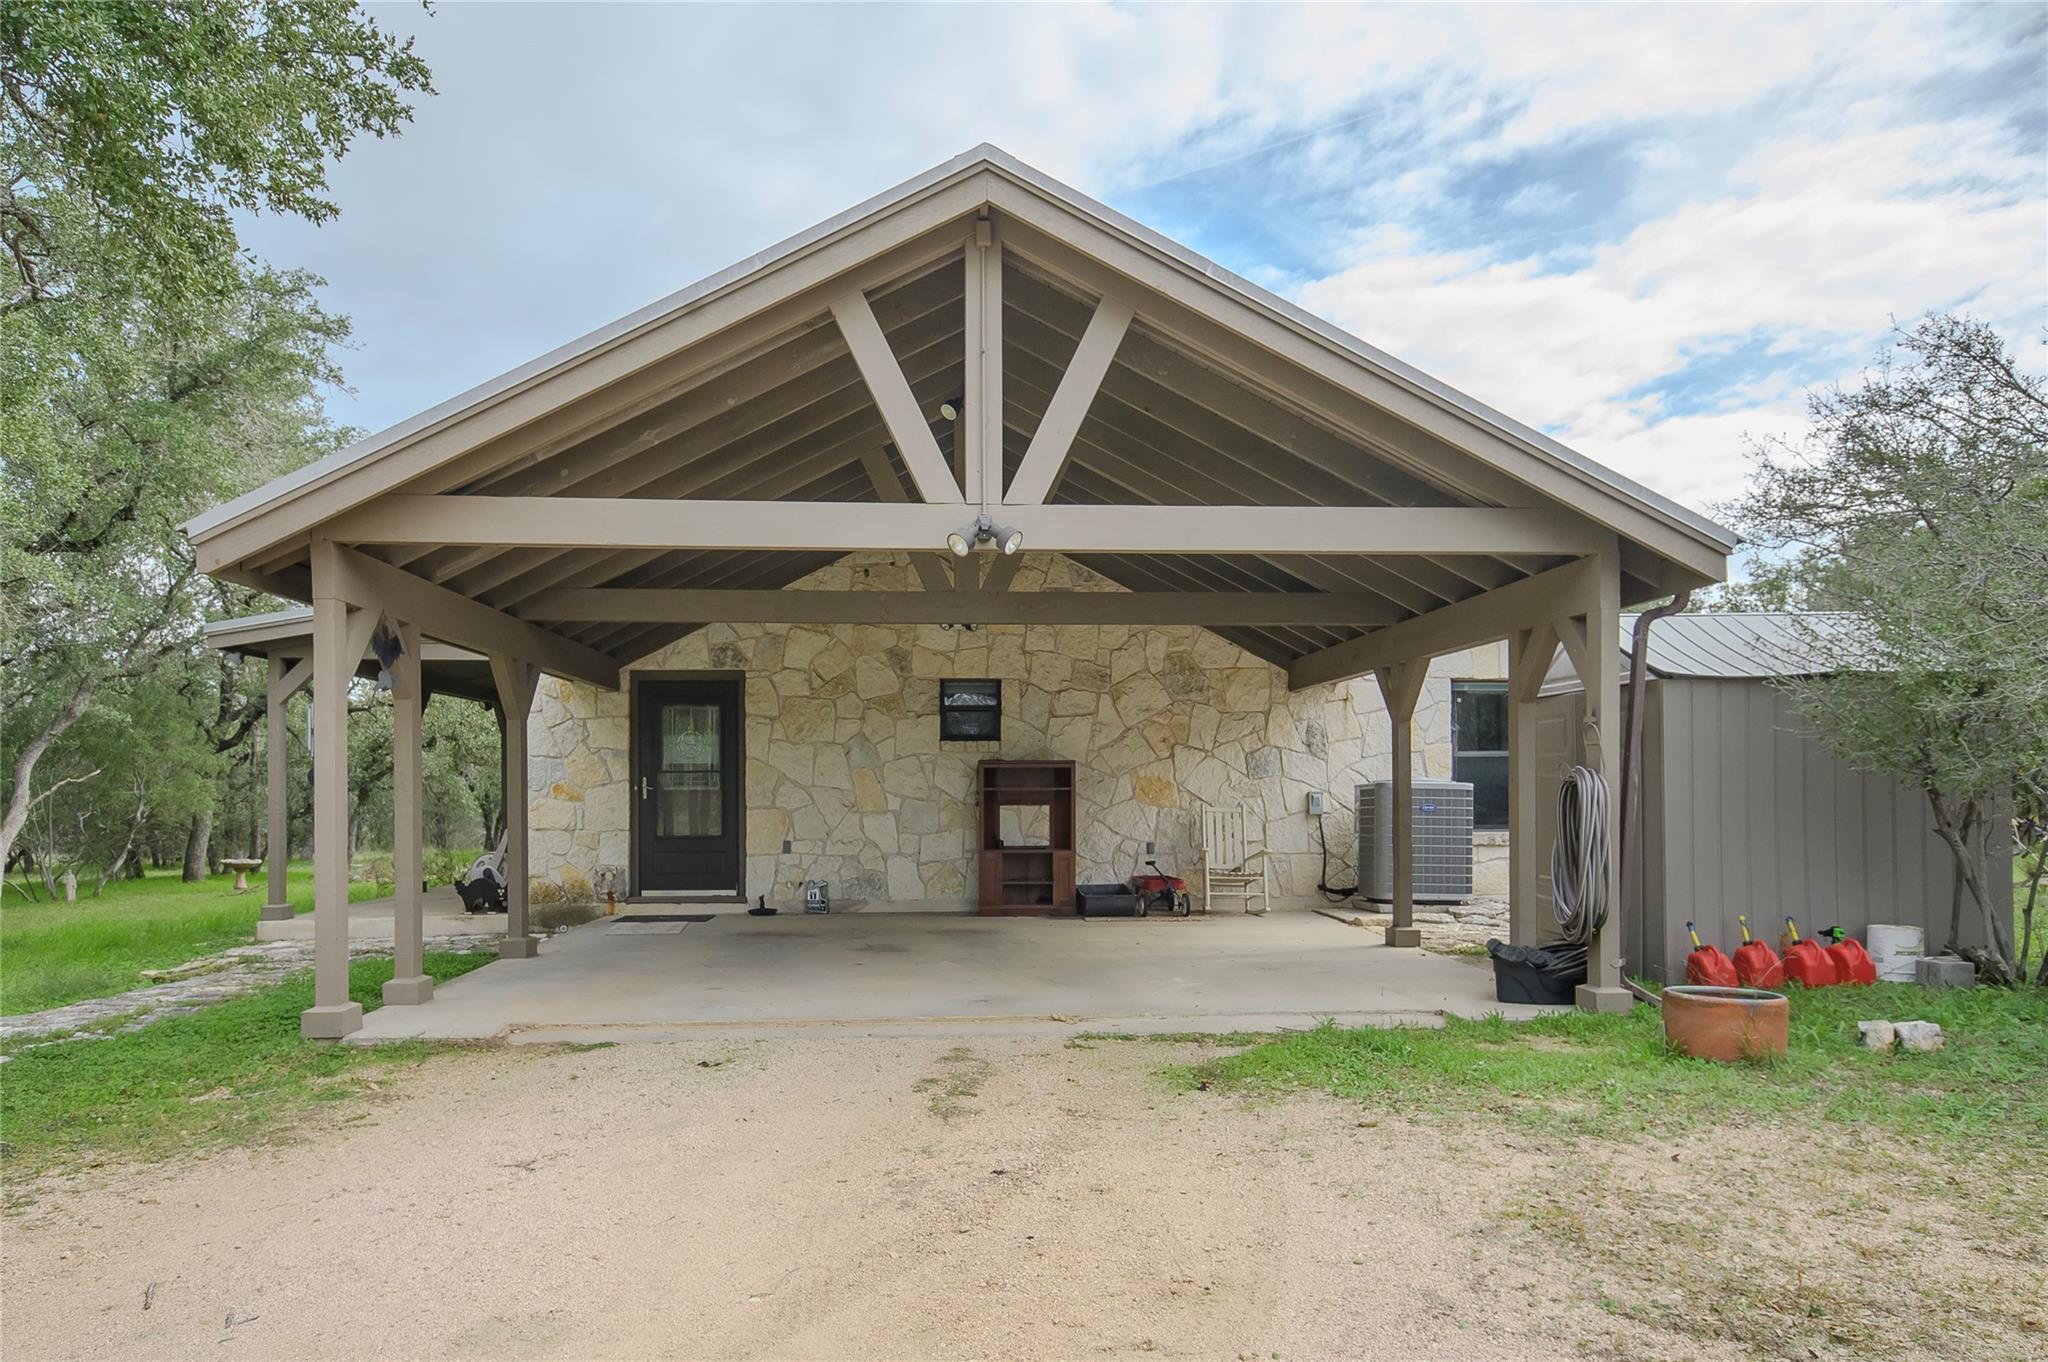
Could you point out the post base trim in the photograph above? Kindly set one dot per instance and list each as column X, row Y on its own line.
column 1592, row 998
column 276, row 912
column 1404, row 936
column 331, row 1022
column 408, row 992
column 518, row 948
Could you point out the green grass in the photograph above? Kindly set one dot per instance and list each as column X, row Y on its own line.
column 57, row 953
column 230, row 1074
column 1614, row 1076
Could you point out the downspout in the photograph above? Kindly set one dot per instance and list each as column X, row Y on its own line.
column 1632, row 740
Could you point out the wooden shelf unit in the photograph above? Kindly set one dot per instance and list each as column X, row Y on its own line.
column 1027, row 880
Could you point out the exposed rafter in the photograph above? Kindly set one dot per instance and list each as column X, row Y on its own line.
column 891, row 390
column 1054, row 438
column 1467, row 624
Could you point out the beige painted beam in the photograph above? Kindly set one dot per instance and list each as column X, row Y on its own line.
column 1465, row 624
column 698, row 606
column 1529, row 654
column 341, row 631
column 409, row 982
column 891, row 391
column 1054, row 439
column 1595, row 618
column 985, row 342
column 930, row 567
column 277, row 797
column 1400, row 687
column 516, row 680
column 643, row 523
column 455, row 618
column 1002, row 572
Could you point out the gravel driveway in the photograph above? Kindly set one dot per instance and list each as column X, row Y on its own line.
column 816, row 1195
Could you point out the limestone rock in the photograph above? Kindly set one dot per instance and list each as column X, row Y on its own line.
column 1919, row 1035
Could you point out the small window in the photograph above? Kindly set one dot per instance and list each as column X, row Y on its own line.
column 1479, row 747
column 970, row 711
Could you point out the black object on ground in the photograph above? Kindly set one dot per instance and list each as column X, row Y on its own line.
column 1106, row 900
column 761, row 908
column 1545, row 975
column 481, row 895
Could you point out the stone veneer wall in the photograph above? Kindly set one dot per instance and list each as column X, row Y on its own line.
column 843, row 760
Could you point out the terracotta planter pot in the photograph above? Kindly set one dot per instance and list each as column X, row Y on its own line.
column 1726, row 1024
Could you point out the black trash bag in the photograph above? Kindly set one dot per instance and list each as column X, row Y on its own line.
column 1547, row 975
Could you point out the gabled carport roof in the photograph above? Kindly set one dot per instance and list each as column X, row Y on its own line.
column 1204, row 393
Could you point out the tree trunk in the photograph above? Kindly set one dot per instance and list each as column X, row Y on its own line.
column 197, row 838
column 19, row 800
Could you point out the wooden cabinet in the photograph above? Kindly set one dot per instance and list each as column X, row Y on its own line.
column 1034, row 874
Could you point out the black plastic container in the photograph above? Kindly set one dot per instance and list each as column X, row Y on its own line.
column 1106, row 900
column 1545, row 975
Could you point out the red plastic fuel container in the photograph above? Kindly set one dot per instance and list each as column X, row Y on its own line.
column 1805, row 962
column 1707, row 964
column 1756, row 964
column 1853, row 964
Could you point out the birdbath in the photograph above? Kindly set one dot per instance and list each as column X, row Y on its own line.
column 241, row 865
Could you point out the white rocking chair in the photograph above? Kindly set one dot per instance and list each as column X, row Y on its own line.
column 1230, row 868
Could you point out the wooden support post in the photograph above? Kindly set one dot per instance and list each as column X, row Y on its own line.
column 1598, row 624
column 1529, row 654
column 339, row 636
column 409, row 982
column 277, row 798
column 516, row 681
column 985, row 398
column 1400, row 688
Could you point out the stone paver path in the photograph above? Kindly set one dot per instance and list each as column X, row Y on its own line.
column 209, row 979
column 1454, row 927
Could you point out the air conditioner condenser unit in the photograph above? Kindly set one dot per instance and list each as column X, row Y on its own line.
column 1441, row 819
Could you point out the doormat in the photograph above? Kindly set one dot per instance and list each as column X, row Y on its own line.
column 655, row 924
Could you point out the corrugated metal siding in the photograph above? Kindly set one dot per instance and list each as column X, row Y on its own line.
column 1755, row 817
column 1742, row 813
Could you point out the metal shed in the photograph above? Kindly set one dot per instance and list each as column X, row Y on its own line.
column 1743, row 812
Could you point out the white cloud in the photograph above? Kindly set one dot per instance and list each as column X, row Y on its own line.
column 1825, row 244
column 1784, row 173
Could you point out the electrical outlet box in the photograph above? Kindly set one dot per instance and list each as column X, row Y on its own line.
column 1149, row 849
column 1315, row 803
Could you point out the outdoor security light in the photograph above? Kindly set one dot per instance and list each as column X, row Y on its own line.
column 950, row 409
column 984, row 531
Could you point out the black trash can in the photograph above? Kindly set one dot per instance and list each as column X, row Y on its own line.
column 1545, row 975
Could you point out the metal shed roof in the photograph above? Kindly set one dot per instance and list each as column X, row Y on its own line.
column 1741, row 646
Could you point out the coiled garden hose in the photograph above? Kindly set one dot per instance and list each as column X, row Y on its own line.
column 1578, row 858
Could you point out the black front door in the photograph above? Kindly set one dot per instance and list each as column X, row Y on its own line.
column 687, row 797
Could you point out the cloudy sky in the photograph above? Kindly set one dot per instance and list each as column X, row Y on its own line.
column 1647, row 231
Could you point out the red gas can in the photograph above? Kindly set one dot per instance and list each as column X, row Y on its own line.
column 1756, row 964
column 1805, row 962
column 1853, row 964
column 1707, row 965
